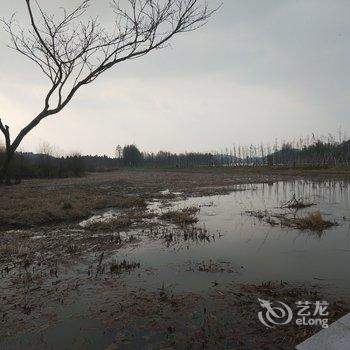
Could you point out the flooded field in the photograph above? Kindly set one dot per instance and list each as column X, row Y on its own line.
column 261, row 252
column 180, row 273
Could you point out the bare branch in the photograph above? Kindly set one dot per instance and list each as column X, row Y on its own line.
column 73, row 51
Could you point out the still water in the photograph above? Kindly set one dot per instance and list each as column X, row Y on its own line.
column 257, row 251
column 247, row 250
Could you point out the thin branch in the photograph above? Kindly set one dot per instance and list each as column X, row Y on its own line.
column 73, row 51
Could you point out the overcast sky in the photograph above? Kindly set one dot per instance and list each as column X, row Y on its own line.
column 259, row 70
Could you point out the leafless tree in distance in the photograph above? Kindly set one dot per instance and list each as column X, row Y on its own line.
column 72, row 51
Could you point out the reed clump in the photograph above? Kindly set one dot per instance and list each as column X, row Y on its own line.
column 311, row 221
column 117, row 267
column 183, row 217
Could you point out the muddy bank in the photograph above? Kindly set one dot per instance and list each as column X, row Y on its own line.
column 224, row 318
column 106, row 312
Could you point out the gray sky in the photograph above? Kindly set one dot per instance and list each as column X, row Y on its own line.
column 260, row 70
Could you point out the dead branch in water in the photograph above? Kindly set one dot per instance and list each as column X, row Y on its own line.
column 295, row 203
column 311, row 221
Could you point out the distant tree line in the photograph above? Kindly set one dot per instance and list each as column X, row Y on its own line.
column 30, row 165
column 182, row 160
column 314, row 152
column 304, row 152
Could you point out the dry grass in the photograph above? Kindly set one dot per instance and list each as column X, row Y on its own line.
column 125, row 219
column 311, row 221
column 27, row 207
column 39, row 202
column 181, row 217
column 110, row 225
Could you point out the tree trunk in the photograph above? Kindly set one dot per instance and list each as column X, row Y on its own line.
column 12, row 147
column 4, row 176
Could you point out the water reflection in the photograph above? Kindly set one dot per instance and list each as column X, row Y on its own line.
column 266, row 252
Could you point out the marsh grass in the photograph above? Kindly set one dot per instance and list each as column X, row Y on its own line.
column 127, row 218
column 32, row 207
column 183, row 217
column 117, row 267
column 110, row 225
column 214, row 266
column 311, row 221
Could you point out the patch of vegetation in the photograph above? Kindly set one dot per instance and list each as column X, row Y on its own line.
column 212, row 266
column 311, row 221
column 183, row 217
column 117, row 267
column 124, row 219
column 24, row 207
column 110, row 225
column 184, row 234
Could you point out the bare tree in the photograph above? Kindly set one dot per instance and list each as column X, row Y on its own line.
column 72, row 52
